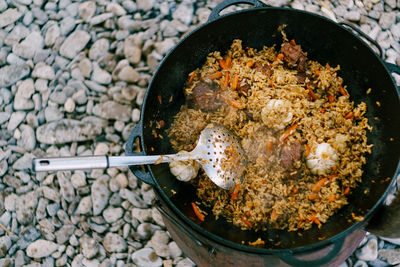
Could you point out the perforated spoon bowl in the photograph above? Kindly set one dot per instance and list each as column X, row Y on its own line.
column 218, row 151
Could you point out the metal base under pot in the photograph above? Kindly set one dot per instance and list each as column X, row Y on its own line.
column 206, row 252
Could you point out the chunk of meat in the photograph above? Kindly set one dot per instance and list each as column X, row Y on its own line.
column 293, row 56
column 290, row 154
column 205, row 96
column 263, row 68
column 243, row 88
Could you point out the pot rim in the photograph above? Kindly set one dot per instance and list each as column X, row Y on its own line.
column 326, row 242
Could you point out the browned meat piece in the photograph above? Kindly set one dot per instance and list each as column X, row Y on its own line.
column 205, row 96
column 263, row 68
column 243, row 88
column 293, row 56
column 290, row 154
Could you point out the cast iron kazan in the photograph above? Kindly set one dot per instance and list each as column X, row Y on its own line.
column 326, row 42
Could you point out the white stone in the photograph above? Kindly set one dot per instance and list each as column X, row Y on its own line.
column 133, row 197
column 146, row 257
column 74, row 43
column 146, row 230
column 27, row 137
column 387, row 20
column 391, row 256
column 122, row 180
column 112, row 110
column 15, row 119
column 128, row 74
column 369, row 251
column 10, row 74
column 99, row 49
column 184, row 12
column 84, row 206
column 78, row 179
column 22, row 100
column 352, row 16
column 159, row 241
column 100, row 194
column 41, row 248
column 165, row 46
column 87, row 10
column 145, row 5
column 157, row 217
column 53, row 114
column 174, row 250
column 100, row 18
column 31, row 45
column 132, row 49
column 114, row 243
column 143, row 215
column 66, row 189
column 10, row 202
column 69, row 105
column 43, row 71
column 89, row 247
column 25, row 207
column 52, row 33
column 116, row 9
column 186, row 262
column 5, row 244
column 112, row 214
column 85, row 67
column 9, row 16
column 100, row 76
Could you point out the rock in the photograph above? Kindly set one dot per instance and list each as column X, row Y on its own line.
column 186, row 262
column 174, row 250
column 64, row 233
column 132, row 49
column 116, row 9
column 67, row 130
column 30, row 46
column 22, row 100
column 50, row 193
column 28, row 141
column 100, row 18
column 369, row 251
column 67, row 24
column 66, row 188
column 85, row 67
column 52, row 33
column 9, row 16
column 145, row 230
column 352, row 16
column 122, row 180
column 99, row 49
column 159, row 241
column 43, row 71
column 52, row 113
column 15, row 119
column 84, row 206
column 100, row 194
column 41, row 248
column 69, row 105
column 41, row 208
column 165, row 46
column 74, row 43
column 145, row 5
column 128, row 74
column 114, row 243
column 78, row 179
column 5, row 244
column 100, row 76
column 10, row 74
column 112, row 214
column 87, row 10
column 146, row 257
column 184, row 12
column 387, row 19
column 133, row 197
column 112, row 110
column 24, row 162
column 10, row 202
column 89, row 247
column 4, row 116
column 391, row 256
column 392, row 240
column 142, row 215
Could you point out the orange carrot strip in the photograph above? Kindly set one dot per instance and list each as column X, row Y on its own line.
column 310, row 91
column 235, row 82
column 288, row 132
column 215, row 75
column 349, row 115
column 317, row 72
column 346, row 191
column 269, row 146
column 228, row 62
column 250, row 63
column 333, row 176
column 331, row 98
column 332, row 198
column 225, row 64
column 313, row 196
column 234, row 103
column 307, row 150
column 197, row 212
column 274, row 215
column 247, row 222
column 191, row 77
column 279, row 57
column 293, row 42
column 323, row 110
column 318, row 185
column 159, row 99
column 342, row 91
column 235, row 192
column 227, row 77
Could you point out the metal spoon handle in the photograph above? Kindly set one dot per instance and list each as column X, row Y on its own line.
column 102, row 162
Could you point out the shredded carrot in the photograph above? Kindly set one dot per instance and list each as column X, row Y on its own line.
column 234, row 103
column 279, row 57
column 307, row 150
column 318, row 185
column 235, row 82
column 225, row 64
column 342, row 91
column 191, row 77
column 333, row 176
column 235, row 192
column 269, row 146
column 159, row 99
column 310, row 91
column 295, row 190
column 249, row 204
column 334, row 167
column 247, row 222
column 323, row 110
column 332, row 198
column 293, row 199
column 331, row 98
column 317, row 72
column 293, row 42
column 271, row 82
column 349, row 115
column 250, row 63
column 313, row 218
column 227, row 77
column 215, row 75
column 197, row 212
column 274, row 215
column 313, row 196
column 259, row 241
column 346, row 191
column 288, row 132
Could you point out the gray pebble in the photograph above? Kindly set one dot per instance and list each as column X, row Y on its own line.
column 89, row 246
column 52, row 34
column 19, row 258
column 28, row 140
column 146, row 257
column 52, row 209
column 9, row 17
column 50, row 193
column 100, row 194
column 63, row 234
column 184, row 12
column 41, row 208
column 112, row 110
column 15, row 119
column 159, row 241
column 85, row 206
column 31, row 45
column 186, row 262
column 41, row 248
column 145, row 5
column 391, row 256
column 387, row 19
column 78, row 179
column 369, row 251
column 53, row 114
column 25, row 207
column 74, row 43
column 174, row 250
column 10, row 202
column 100, row 18
column 12, row 73
column 145, row 230
column 43, row 71
column 66, row 188
column 5, row 244
column 87, row 10
column 24, row 162
column 99, row 49
column 114, row 243
column 112, row 214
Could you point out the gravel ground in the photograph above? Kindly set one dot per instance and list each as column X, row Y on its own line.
column 72, row 81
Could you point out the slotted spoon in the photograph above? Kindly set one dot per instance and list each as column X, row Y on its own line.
column 218, row 151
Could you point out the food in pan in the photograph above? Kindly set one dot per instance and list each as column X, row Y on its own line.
column 304, row 140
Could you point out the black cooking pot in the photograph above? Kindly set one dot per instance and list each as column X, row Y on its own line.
column 326, row 42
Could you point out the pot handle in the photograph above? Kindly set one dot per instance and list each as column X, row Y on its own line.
column 227, row 3
column 294, row 261
column 137, row 170
column 365, row 36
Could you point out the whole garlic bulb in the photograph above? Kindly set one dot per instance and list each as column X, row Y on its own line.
column 184, row 170
column 323, row 159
